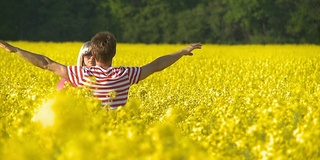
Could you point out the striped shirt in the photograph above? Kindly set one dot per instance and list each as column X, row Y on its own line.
column 111, row 85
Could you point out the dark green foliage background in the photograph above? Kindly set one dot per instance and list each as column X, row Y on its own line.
column 163, row 21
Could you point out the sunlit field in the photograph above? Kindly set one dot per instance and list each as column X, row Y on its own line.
column 225, row 102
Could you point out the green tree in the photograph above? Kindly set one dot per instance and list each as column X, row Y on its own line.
column 158, row 21
column 304, row 22
column 163, row 21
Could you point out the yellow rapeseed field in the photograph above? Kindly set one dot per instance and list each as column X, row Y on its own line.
column 225, row 102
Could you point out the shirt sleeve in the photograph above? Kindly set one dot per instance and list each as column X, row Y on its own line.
column 75, row 75
column 134, row 74
column 61, row 84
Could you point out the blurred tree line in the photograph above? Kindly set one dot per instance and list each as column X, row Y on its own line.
column 163, row 21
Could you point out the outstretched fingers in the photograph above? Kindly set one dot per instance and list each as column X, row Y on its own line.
column 191, row 47
column 7, row 46
column 196, row 45
column 2, row 44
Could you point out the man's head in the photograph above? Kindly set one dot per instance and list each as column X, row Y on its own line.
column 104, row 46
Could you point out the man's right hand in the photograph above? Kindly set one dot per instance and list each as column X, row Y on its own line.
column 191, row 47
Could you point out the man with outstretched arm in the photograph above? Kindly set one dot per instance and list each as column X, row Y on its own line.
column 110, row 84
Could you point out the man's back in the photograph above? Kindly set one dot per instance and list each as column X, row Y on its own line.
column 111, row 85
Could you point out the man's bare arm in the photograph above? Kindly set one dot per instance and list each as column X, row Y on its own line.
column 37, row 60
column 167, row 60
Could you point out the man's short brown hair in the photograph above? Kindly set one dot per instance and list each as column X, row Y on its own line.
column 104, row 46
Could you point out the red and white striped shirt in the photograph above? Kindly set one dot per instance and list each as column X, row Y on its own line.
column 111, row 85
